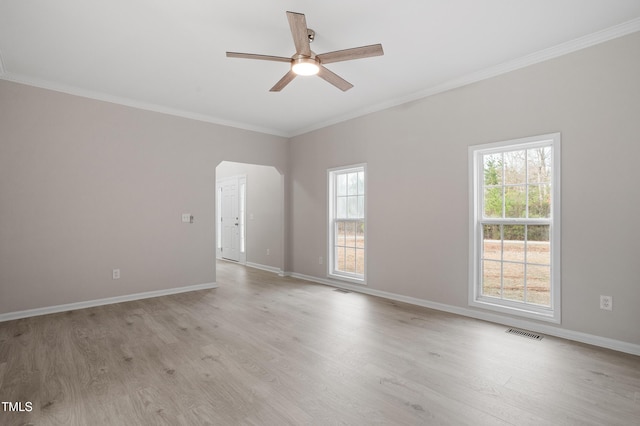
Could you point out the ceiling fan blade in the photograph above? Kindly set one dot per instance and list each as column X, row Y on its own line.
column 349, row 54
column 300, row 34
column 288, row 78
column 334, row 79
column 254, row 56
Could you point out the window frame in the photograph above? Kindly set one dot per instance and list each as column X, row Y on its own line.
column 477, row 220
column 332, row 272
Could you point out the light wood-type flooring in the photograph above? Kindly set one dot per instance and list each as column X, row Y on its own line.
column 266, row 350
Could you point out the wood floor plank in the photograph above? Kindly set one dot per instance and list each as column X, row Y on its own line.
column 268, row 350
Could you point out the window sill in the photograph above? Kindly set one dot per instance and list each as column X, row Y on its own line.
column 525, row 311
column 347, row 278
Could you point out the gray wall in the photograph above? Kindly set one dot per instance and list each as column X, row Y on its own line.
column 88, row 186
column 264, row 211
column 418, row 202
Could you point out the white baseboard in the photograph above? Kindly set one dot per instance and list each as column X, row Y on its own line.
column 99, row 302
column 267, row 268
column 604, row 342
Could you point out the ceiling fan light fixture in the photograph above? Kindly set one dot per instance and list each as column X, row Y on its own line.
column 305, row 66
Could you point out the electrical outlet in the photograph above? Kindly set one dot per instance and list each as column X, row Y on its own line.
column 268, row 252
column 606, row 303
column 116, row 274
column 320, row 260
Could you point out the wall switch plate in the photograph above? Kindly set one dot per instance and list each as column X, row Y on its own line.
column 606, row 303
column 116, row 274
column 187, row 218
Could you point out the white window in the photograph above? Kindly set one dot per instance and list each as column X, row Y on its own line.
column 347, row 223
column 515, row 227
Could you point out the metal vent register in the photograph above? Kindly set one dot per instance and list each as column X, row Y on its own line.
column 524, row 333
column 341, row 290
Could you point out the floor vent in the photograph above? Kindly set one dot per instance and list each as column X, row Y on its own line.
column 524, row 333
column 341, row 290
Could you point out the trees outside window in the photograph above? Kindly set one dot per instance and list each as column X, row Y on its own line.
column 515, row 226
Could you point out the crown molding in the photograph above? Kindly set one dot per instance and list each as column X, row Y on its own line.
column 133, row 103
column 580, row 43
column 493, row 71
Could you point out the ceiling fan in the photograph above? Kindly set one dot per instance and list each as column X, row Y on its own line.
column 306, row 62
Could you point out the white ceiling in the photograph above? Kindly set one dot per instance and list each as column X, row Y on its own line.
column 169, row 56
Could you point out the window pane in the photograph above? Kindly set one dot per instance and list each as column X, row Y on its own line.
column 341, row 207
column 350, row 260
column 492, row 169
column 538, row 233
column 360, row 235
column 514, row 167
column 513, row 281
column 352, row 207
column 491, row 242
column 493, row 202
column 538, row 245
column 491, row 273
column 515, row 201
column 351, row 234
column 360, row 206
column 360, row 183
column 340, row 233
column 513, row 244
column 340, row 258
column 539, row 201
column 539, row 285
column 342, row 184
column 360, row 261
column 352, row 183
column 539, row 165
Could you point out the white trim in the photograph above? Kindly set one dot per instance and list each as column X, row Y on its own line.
column 267, row 268
column 565, row 48
column 493, row 71
column 577, row 336
column 553, row 313
column 331, row 198
column 133, row 103
column 100, row 302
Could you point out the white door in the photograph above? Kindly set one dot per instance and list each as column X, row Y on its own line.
column 230, row 219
